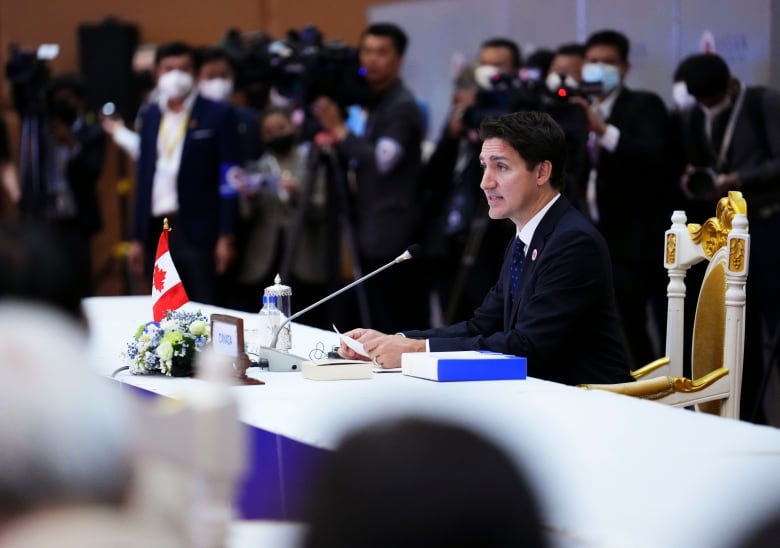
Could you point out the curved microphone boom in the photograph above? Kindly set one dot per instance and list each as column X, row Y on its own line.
column 411, row 252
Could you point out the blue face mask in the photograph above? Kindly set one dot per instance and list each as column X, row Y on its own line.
column 601, row 73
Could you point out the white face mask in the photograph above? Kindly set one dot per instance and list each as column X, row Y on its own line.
column 682, row 99
column 601, row 73
column 216, row 89
column 175, row 84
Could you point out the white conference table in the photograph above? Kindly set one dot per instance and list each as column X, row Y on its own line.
column 609, row 470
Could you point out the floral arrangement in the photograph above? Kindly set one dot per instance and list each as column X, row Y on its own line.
column 168, row 346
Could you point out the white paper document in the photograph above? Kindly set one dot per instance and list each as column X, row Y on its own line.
column 357, row 346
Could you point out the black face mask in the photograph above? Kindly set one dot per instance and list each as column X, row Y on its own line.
column 63, row 111
column 280, row 145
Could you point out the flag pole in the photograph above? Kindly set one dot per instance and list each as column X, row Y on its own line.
column 165, row 225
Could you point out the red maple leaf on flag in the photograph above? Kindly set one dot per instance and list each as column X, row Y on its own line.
column 158, row 279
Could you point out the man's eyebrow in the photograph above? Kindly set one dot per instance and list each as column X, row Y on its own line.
column 493, row 158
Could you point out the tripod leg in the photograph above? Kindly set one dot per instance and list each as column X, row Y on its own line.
column 469, row 256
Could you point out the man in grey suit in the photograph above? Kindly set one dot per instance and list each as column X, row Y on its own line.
column 554, row 302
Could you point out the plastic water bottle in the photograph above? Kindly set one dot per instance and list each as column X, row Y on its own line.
column 270, row 318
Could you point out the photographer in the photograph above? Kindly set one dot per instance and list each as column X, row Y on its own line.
column 464, row 248
column 387, row 163
column 74, row 163
column 732, row 141
column 626, row 180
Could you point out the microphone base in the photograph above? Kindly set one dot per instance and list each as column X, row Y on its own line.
column 278, row 361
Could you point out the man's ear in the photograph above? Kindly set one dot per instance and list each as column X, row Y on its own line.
column 625, row 67
column 543, row 172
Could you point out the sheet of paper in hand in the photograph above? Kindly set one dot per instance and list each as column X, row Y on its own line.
column 357, row 346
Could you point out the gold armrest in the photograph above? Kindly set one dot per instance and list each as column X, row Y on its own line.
column 650, row 388
column 653, row 389
column 681, row 384
column 650, row 367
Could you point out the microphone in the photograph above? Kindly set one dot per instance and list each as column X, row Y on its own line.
column 282, row 361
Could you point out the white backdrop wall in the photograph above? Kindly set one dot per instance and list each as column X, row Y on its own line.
column 662, row 32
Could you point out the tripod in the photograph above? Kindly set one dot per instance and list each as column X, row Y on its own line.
column 33, row 166
column 340, row 224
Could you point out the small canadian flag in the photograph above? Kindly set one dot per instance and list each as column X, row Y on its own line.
column 167, row 290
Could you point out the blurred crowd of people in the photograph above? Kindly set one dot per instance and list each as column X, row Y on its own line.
column 321, row 190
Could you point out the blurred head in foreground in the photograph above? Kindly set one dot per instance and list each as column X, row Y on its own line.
column 36, row 266
column 64, row 435
column 418, row 483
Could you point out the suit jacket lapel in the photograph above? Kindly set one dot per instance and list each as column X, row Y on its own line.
column 535, row 250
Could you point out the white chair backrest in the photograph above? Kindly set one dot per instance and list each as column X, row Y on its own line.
column 719, row 332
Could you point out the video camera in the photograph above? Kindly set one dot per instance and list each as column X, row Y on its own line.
column 301, row 67
column 28, row 73
column 526, row 90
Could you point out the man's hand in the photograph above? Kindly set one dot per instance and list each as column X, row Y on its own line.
column 223, row 253
column 111, row 124
column 384, row 350
column 135, row 258
column 725, row 182
column 329, row 116
column 595, row 123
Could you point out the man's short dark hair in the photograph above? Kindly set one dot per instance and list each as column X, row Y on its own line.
column 209, row 54
column 573, row 48
column 417, row 477
column 506, row 43
column 392, row 31
column 609, row 37
column 535, row 136
column 174, row 49
column 705, row 74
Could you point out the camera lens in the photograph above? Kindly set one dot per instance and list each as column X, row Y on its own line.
column 109, row 109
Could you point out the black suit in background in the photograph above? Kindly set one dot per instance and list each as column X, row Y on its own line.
column 754, row 153
column 387, row 211
column 82, row 172
column 565, row 321
column 632, row 182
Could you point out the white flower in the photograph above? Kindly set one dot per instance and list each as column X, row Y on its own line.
column 198, row 328
column 165, row 350
column 169, row 325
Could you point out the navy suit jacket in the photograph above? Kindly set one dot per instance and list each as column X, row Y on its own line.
column 210, row 141
column 565, row 321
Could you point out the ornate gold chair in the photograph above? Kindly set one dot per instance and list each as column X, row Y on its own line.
column 719, row 330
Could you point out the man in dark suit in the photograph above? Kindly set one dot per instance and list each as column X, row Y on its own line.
column 74, row 162
column 626, row 181
column 733, row 131
column 387, row 164
column 187, row 142
column 554, row 301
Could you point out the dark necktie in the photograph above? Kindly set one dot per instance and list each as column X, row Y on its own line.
column 516, row 269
